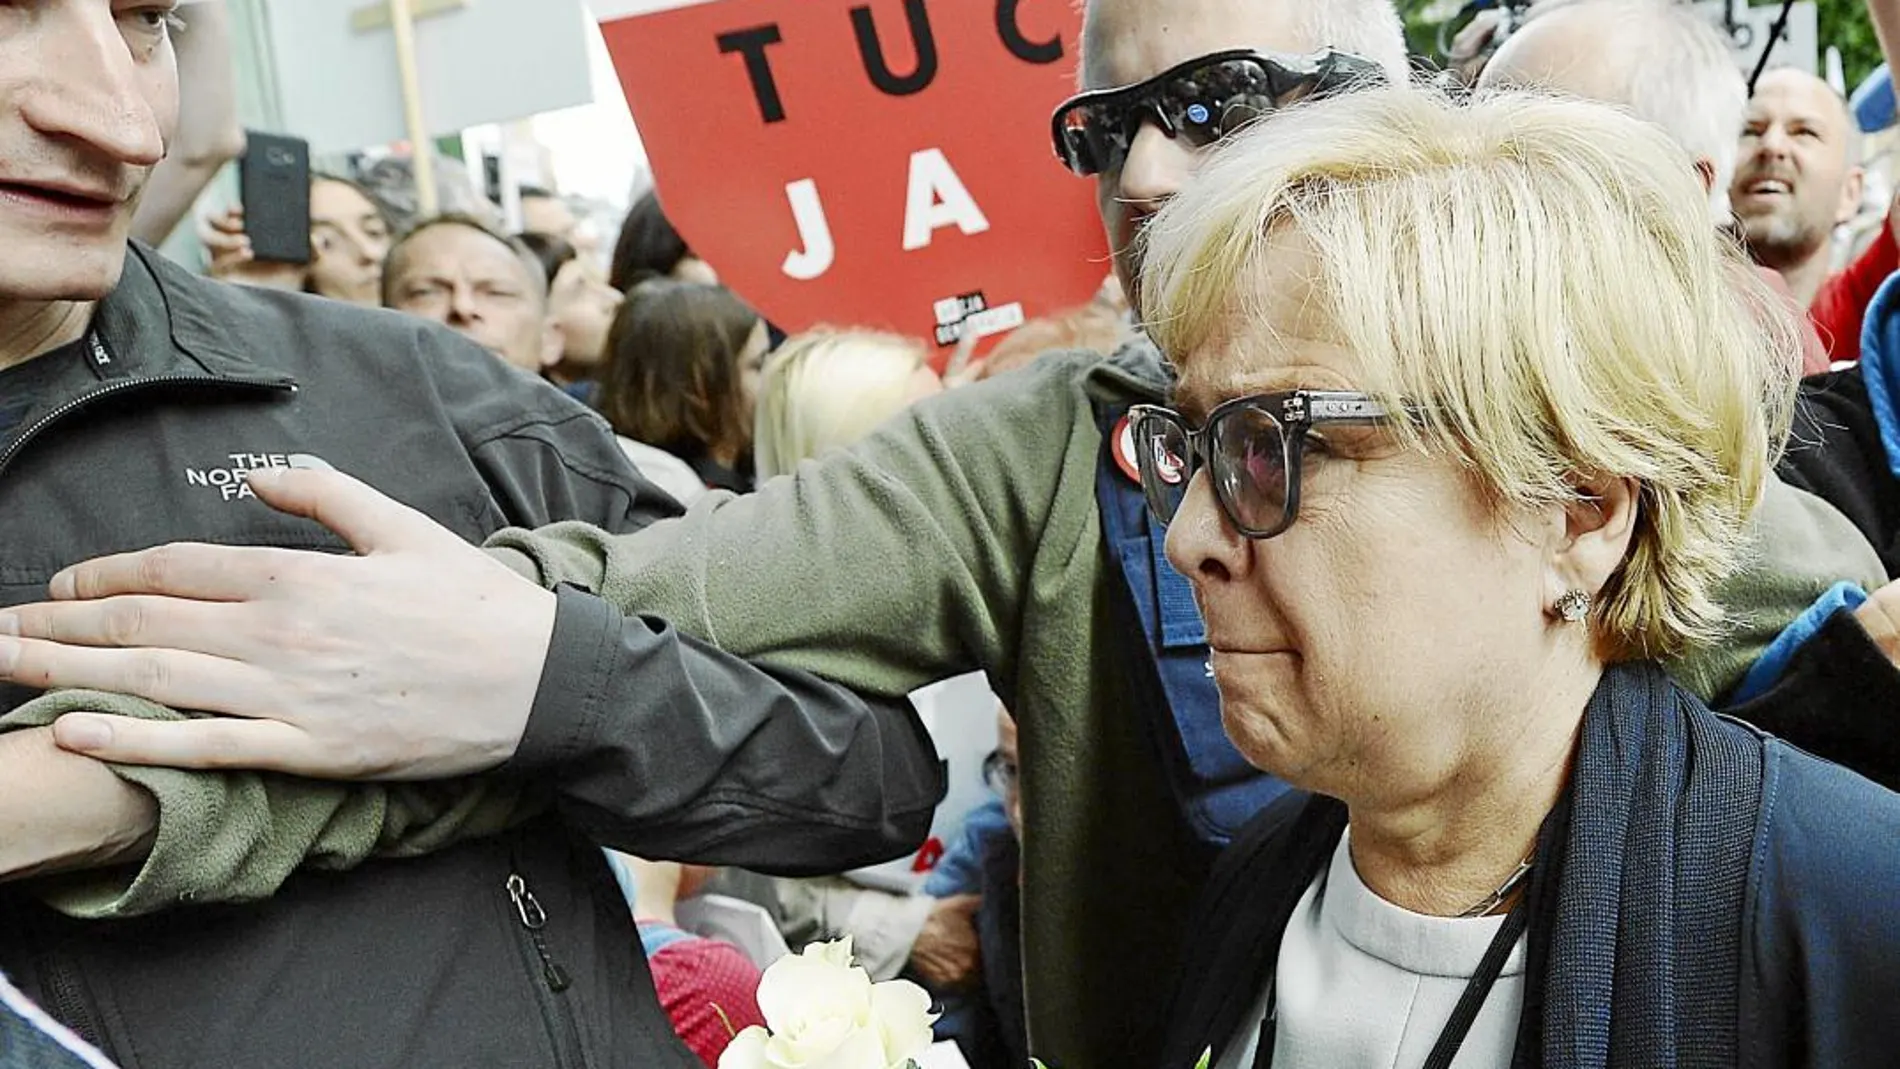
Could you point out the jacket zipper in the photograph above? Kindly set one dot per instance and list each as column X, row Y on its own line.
column 39, row 426
column 534, row 920
column 69, row 1004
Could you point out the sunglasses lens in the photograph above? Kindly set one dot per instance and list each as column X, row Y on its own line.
column 1248, row 455
column 1090, row 139
column 1207, row 103
column 1165, row 460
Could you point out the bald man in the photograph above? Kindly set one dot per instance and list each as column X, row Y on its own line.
column 484, row 286
column 1661, row 61
column 1799, row 177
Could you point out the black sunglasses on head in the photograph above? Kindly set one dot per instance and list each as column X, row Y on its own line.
column 1202, row 100
column 1252, row 448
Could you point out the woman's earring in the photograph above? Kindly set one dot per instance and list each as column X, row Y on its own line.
column 1573, row 606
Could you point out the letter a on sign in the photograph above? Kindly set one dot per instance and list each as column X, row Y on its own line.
column 882, row 163
column 937, row 199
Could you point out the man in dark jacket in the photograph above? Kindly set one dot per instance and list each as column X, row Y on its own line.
column 136, row 403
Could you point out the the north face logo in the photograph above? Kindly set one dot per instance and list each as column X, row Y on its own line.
column 233, row 482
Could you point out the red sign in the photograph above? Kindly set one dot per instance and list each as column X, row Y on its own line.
column 874, row 163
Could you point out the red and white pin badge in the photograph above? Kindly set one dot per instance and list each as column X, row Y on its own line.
column 1124, row 438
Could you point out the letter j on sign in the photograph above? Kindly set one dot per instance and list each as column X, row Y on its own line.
column 867, row 162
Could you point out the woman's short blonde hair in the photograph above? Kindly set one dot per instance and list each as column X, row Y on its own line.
column 828, row 388
column 1537, row 282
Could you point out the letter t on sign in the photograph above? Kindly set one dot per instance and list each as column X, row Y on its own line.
column 758, row 66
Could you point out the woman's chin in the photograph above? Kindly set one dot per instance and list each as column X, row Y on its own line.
column 1255, row 729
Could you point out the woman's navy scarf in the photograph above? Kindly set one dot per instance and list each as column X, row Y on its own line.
column 1642, row 964
column 1635, row 941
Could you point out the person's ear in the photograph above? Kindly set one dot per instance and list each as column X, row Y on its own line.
column 1852, row 190
column 1598, row 527
column 553, row 344
column 1705, row 171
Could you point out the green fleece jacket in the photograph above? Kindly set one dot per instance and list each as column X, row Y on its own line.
column 965, row 535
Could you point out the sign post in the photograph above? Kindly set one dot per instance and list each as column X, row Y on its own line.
column 402, row 22
column 876, row 163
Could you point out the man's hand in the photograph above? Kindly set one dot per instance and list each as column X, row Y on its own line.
column 946, row 955
column 1879, row 616
column 417, row 659
column 61, row 812
column 233, row 260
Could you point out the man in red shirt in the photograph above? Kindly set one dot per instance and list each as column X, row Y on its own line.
column 1838, row 309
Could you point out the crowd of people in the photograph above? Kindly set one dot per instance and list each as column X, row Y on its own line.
column 1442, row 597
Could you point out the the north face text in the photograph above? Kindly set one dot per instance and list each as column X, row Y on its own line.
column 233, row 483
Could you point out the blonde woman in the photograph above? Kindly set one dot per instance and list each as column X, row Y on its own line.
column 828, row 388
column 1473, row 408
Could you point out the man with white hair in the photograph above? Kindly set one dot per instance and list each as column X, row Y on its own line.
column 1658, row 59
column 1607, row 50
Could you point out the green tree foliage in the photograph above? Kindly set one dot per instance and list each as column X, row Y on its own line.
column 1421, row 26
column 1843, row 24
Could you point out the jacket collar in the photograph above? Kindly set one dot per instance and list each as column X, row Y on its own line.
column 160, row 320
column 1134, row 373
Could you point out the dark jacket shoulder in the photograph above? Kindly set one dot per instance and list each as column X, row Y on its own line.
column 1835, row 452
column 1821, row 961
column 546, row 456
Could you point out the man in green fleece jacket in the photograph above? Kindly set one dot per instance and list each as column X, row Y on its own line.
column 964, row 535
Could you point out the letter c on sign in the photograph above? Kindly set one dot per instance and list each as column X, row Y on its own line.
column 1009, row 28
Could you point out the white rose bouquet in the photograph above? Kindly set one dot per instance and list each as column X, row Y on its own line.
column 823, row 1012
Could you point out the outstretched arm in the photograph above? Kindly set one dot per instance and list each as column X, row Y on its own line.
column 209, row 132
column 131, row 840
column 60, row 812
column 904, row 560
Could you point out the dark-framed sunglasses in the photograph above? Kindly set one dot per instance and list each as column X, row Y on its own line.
column 1200, row 101
column 1252, row 448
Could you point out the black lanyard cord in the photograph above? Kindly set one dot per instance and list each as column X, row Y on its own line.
column 1490, row 967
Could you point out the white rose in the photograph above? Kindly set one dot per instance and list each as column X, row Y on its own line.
column 746, row 1051
column 755, row 1048
column 824, row 1013
column 902, row 1012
